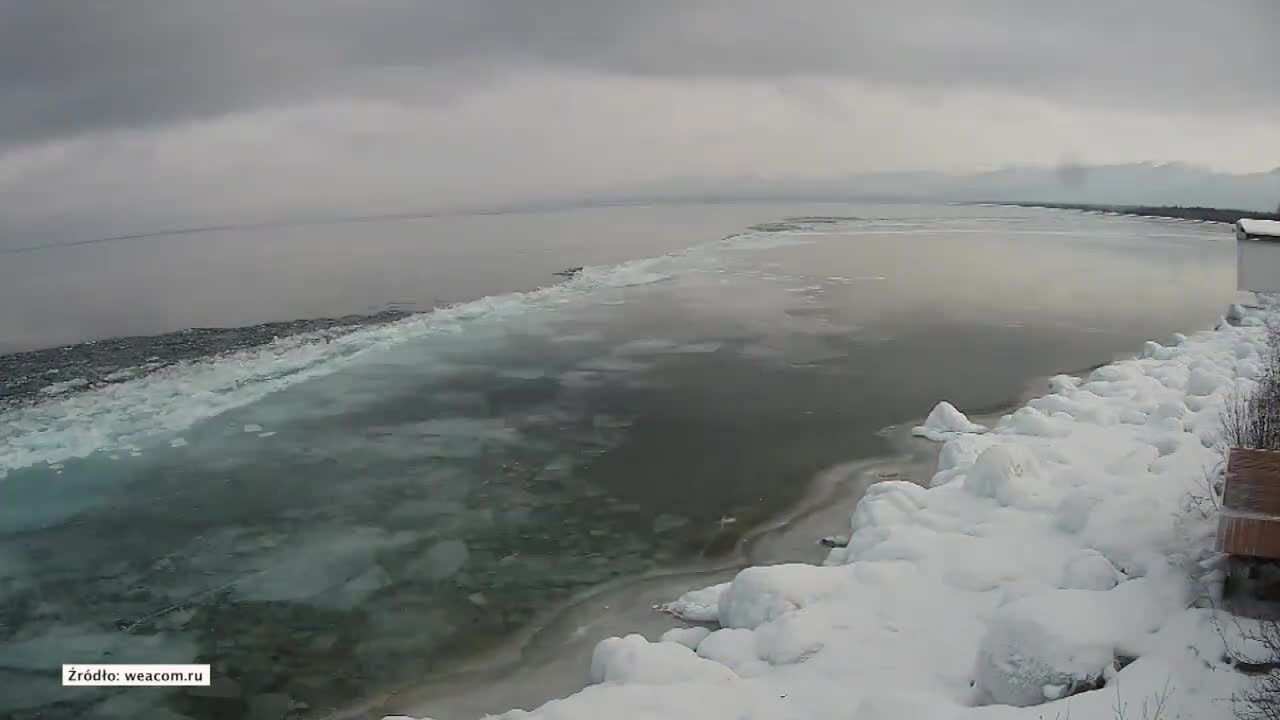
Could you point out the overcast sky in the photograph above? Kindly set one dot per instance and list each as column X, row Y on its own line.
column 130, row 112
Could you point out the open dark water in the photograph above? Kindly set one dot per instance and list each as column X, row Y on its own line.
column 360, row 503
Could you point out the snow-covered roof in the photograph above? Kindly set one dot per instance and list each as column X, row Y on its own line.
column 1260, row 227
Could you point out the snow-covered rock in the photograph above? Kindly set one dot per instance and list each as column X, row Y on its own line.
column 1203, row 382
column 734, row 648
column 1063, row 383
column 1030, row 421
column 944, row 420
column 1157, row 351
column 633, row 659
column 1042, row 648
column 760, row 594
column 701, row 605
column 689, row 637
column 957, row 455
column 1011, row 475
column 1090, row 570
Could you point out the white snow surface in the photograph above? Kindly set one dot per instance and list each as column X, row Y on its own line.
column 1261, row 227
column 1046, row 554
column 945, row 420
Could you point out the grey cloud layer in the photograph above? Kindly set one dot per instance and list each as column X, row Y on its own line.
column 69, row 67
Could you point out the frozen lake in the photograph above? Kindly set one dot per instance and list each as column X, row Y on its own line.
column 337, row 514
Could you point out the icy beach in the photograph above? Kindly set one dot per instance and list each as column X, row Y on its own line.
column 1060, row 564
column 443, row 513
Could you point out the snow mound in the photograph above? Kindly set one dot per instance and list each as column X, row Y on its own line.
column 1030, row 421
column 760, row 594
column 1156, row 351
column 957, row 454
column 735, row 649
column 1203, row 382
column 1063, row 383
column 1090, row 570
column 1072, row 514
column 697, row 605
column 1010, row 475
column 1042, row 648
column 688, row 637
column 633, row 659
column 945, row 420
column 792, row 638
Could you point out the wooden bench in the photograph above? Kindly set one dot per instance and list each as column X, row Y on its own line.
column 1249, row 532
column 1249, row 524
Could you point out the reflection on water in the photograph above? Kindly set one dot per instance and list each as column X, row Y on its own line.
column 362, row 529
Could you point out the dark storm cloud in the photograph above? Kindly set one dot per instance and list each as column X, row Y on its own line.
column 69, row 67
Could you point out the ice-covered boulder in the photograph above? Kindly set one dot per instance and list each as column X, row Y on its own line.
column 1030, row 421
column 735, row 649
column 1063, row 384
column 760, row 594
column 1171, row 409
column 792, row 638
column 957, row 454
column 889, row 502
column 688, row 637
column 1056, row 403
column 1090, row 570
column 1041, row 648
column 632, row 659
column 945, row 420
column 1115, row 372
column 698, row 605
column 1156, row 351
column 1203, row 382
column 1011, row 475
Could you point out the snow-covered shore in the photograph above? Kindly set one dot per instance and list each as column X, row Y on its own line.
column 1067, row 548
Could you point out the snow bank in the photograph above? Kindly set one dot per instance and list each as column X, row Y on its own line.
column 1048, row 557
column 945, row 420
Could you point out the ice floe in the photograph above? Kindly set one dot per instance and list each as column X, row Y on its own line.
column 171, row 399
column 945, row 420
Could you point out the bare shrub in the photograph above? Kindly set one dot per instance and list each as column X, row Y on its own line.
column 1154, row 707
column 1207, row 500
column 1251, row 418
column 1261, row 701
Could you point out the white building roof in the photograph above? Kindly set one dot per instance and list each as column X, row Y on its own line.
column 1260, row 227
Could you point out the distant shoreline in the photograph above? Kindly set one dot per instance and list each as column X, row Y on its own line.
column 1203, row 214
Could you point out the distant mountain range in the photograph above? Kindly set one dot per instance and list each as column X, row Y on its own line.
column 1127, row 184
